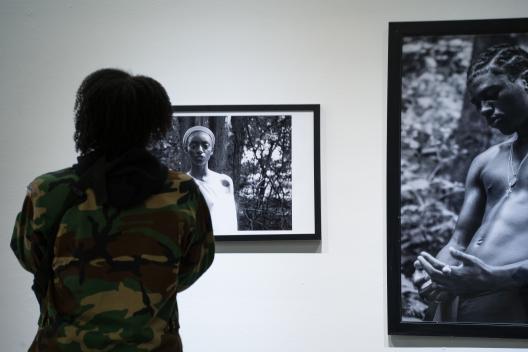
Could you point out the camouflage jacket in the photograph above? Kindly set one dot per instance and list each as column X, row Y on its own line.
column 116, row 272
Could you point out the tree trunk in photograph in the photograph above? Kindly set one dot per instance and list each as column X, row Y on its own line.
column 178, row 155
column 184, row 125
column 219, row 162
column 237, row 127
column 473, row 134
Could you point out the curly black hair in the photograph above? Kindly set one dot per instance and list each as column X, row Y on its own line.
column 116, row 111
column 500, row 59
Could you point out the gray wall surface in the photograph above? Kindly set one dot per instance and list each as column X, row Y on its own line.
column 329, row 52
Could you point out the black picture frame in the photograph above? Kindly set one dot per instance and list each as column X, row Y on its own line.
column 398, row 32
column 301, row 124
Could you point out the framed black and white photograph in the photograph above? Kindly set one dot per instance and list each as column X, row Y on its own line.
column 457, row 178
column 257, row 166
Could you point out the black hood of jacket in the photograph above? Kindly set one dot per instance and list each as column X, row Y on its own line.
column 123, row 181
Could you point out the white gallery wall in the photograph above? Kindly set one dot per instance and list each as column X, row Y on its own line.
column 329, row 52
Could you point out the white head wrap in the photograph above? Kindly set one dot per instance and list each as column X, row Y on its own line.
column 194, row 129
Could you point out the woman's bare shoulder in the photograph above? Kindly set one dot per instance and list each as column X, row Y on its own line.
column 224, row 179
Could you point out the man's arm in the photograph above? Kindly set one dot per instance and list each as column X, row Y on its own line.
column 469, row 220
column 471, row 214
column 473, row 276
column 513, row 275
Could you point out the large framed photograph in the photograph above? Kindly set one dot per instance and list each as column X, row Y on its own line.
column 457, row 178
column 258, row 167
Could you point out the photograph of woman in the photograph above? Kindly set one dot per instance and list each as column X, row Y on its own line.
column 217, row 188
column 242, row 163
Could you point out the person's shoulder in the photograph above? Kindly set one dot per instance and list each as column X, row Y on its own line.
column 51, row 176
column 490, row 153
column 178, row 176
column 177, row 180
column 485, row 158
column 49, row 192
column 224, row 180
column 178, row 189
column 222, row 177
column 51, row 181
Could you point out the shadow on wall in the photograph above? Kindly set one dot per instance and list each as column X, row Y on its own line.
column 451, row 342
column 268, row 247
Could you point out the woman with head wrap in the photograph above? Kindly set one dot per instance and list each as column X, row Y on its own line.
column 217, row 189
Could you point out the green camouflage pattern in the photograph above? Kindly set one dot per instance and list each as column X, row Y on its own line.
column 116, row 272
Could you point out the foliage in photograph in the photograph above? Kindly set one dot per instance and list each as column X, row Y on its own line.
column 265, row 175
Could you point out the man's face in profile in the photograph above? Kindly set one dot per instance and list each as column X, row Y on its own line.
column 504, row 103
column 199, row 148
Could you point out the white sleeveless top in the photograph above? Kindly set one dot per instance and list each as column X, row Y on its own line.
column 221, row 202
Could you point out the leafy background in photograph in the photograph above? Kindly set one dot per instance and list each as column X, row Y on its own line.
column 441, row 133
column 255, row 151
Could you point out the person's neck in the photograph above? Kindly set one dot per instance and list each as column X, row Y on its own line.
column 199, row 171
column 520, row 144
column 522, row 138
column 522, row 133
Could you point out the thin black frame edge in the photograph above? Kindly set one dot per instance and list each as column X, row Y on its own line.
column 460, row 27
column 397, row 31
column 393, row 180
column 492, row 330
column 316, row 109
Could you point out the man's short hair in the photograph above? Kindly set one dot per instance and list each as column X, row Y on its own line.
column 500, row 59
column 116, row 111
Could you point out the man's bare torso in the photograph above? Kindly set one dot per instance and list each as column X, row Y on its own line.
column 502, row 237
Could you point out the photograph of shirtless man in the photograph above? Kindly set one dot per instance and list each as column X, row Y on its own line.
column 481, row 274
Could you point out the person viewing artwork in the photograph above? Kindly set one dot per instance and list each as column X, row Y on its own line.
column 481, row 274
column 216, row 188
column 113, row 239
